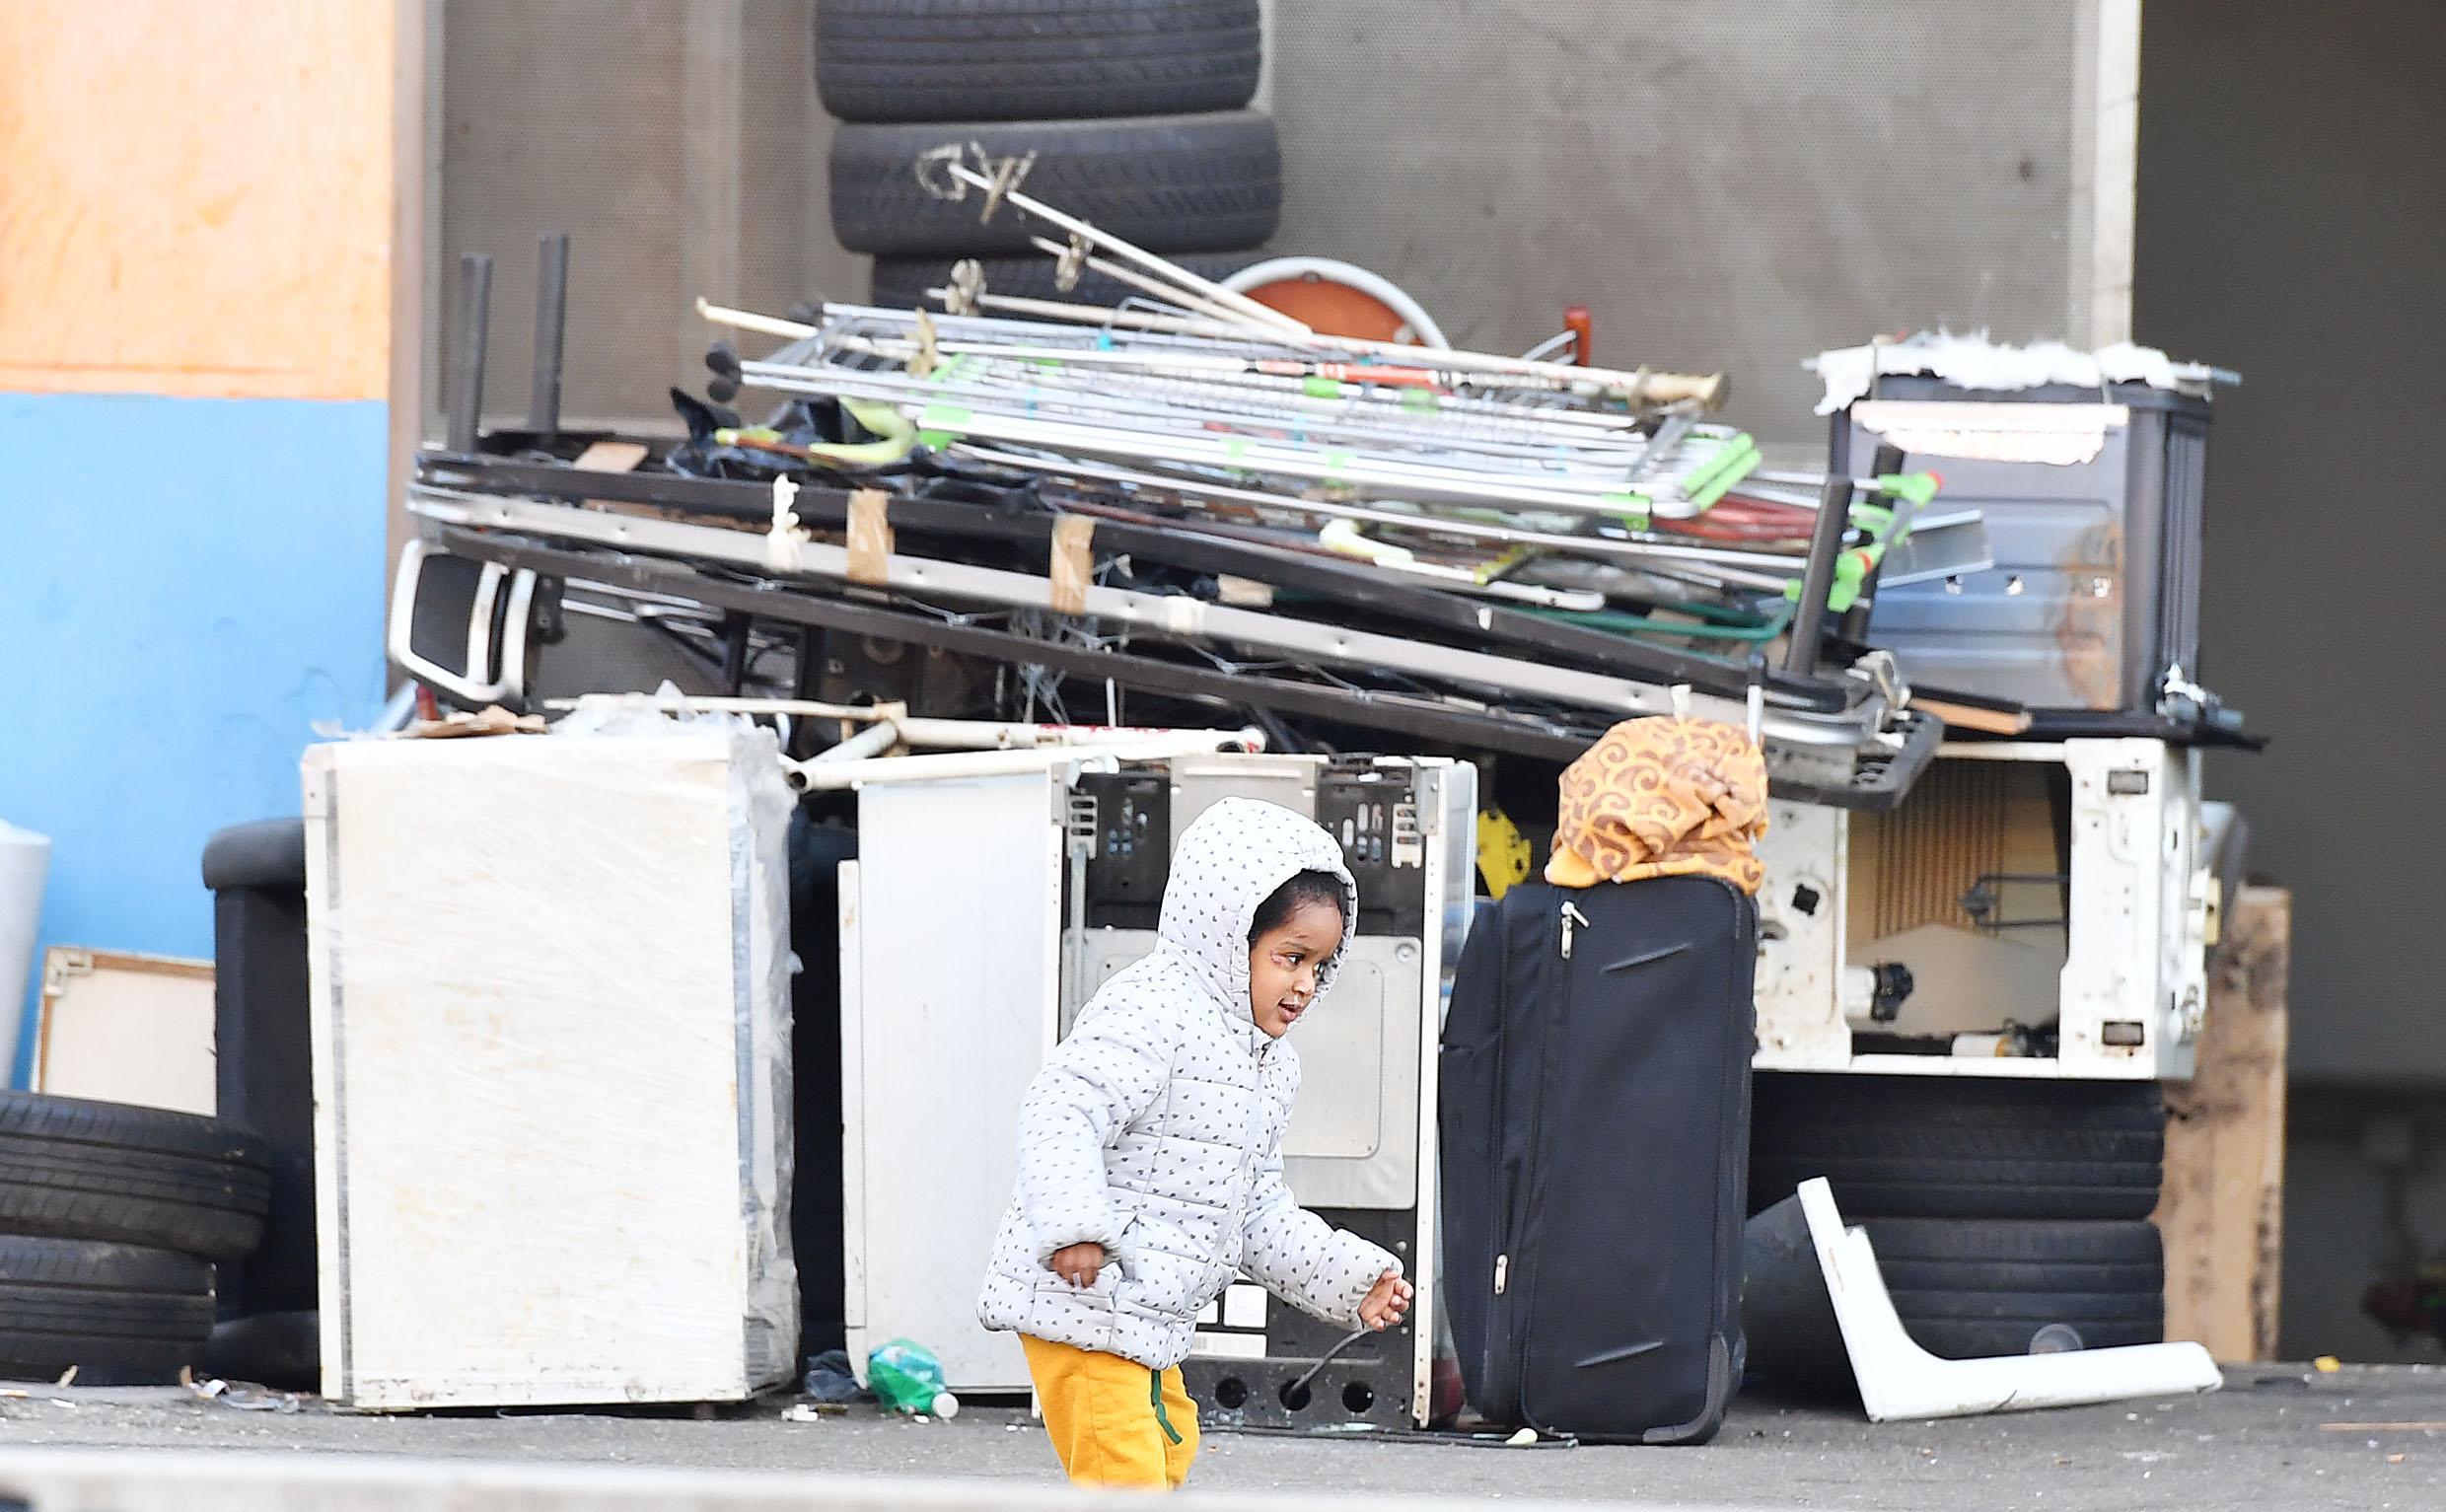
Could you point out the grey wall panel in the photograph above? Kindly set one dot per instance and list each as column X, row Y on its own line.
column 678, row 142
column 2300, row 242
column 1728, row 186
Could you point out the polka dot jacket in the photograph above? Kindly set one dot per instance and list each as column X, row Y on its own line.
column 1156, row 1128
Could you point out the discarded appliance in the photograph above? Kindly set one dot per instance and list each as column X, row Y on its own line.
column 1821, row 1298
column 551, row 1065
column 2036, row 909
column 2090, row 472
column 1060, row 874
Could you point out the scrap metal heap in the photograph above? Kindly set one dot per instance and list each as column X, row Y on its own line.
column 1201, row 501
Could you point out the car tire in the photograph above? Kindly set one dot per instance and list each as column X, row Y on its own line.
column 119, row 1314
column 1966, row 1290
column 73, row 1169
column 900, row 61
column 1960, row 1147
column 1166, row 183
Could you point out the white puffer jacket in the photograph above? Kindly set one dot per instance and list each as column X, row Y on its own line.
column 1156, row 1128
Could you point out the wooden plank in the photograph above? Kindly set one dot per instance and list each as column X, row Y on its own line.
column 2222, row 1208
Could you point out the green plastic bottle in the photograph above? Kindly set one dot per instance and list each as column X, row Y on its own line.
column 908, row 1379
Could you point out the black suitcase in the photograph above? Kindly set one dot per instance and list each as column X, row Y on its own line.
column 1595, row 1115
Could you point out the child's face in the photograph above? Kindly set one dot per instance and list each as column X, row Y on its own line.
column 1284, row 961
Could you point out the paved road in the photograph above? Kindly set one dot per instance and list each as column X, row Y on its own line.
column 2261, row 1445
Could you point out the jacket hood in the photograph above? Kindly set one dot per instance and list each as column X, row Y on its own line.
column 1228, row 862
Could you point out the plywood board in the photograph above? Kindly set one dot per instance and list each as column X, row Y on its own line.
column 199, row 198
column 2222, row 1208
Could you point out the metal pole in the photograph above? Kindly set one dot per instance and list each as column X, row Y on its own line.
column 552, row 324
column 466, row 387
column 1817, row 576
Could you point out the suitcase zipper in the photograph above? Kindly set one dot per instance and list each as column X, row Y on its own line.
column 1554, row 995
column 1571, row 916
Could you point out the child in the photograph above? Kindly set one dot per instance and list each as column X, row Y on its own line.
column 1150, row 1151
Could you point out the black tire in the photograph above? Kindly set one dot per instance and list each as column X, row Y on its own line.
column 1968, row 1288
column 900, row 283
column 119, row 1315
column 923, row 60
column 1167, row 182
column 72, row 1168
column 1960, row 1147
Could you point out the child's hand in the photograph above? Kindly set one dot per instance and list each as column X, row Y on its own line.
column 1077, row 1263
column 1385, row 1303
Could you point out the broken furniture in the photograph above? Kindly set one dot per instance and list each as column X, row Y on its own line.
column 550, row 980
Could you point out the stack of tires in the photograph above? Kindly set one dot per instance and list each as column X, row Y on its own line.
column 111, row 1219
column 1136, row 111
column 2006, row 1215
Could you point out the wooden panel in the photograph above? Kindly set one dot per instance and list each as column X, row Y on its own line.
column 126, row 1028
column 197, row 199
column 2222, row 1210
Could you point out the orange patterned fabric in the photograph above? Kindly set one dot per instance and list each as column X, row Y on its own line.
column 1663, row 798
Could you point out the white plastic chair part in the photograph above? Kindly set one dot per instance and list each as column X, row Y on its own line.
column 494, row 674
column 1422, row 328
column 1898, row 1380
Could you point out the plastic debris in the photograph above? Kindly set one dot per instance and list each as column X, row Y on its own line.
column 245, row 1398
column 908, row 1379
column 2327, row 1364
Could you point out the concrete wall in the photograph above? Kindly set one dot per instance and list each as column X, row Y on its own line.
column 195, row 307
column 1726, row 187
column 2292, row 212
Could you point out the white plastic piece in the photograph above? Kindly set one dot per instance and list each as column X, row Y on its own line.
column 470, row 683
column 783, row 540
column 946, row 1406
column 1393, row 296
column 1898, row 1380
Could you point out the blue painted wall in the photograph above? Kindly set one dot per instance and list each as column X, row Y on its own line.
column 188, row 587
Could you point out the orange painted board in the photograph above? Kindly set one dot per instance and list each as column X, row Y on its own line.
column 197, row 199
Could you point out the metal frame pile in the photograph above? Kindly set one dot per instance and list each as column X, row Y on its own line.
column 1200, row 499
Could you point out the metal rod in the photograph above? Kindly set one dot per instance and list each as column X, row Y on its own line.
column 1817, row 577
column 467, row 378
column 872, row 741
column 1095, row 236
column 551, row 327
column 817, row 775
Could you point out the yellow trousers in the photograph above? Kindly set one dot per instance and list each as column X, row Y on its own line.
column 1113, row 1421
